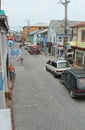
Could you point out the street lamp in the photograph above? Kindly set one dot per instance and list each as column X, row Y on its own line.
column 65, row 3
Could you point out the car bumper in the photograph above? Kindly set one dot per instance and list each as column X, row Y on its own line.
column 58, row 74
column 79, row 94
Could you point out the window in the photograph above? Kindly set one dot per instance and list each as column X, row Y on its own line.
column 48, row 62
column 54, row 64
column 79, row 58
column 60, row 39
column 83, row 35
column 81, row 82
column 63, row 65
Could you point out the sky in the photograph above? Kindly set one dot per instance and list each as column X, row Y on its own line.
column 22, row 12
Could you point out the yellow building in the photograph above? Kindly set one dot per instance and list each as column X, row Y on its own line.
column 79, row 45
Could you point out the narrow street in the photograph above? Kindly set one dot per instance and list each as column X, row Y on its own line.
column 40, row 101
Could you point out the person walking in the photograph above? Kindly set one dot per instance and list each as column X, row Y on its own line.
column 46, row 51
column 11, row 70
column 21, row 60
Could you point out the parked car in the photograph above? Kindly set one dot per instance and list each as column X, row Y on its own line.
column 56, row 67
column 74, row 80
column 26, row 47
column 33, row 50
column 69, row 57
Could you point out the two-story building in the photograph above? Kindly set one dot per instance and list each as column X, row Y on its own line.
column 57, row 36
column 79, row 45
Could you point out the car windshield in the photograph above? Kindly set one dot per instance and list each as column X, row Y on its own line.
column 81, row 83
column 63, row 65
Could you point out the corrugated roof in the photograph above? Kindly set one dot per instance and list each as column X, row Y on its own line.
column 43, row 31
column 31, row 33
column 41, row 24
column 58, row 25
column 81, row 24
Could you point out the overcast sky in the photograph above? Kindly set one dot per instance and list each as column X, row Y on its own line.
column 40, row 11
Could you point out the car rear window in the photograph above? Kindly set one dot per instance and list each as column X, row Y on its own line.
column 81, row 83
column 63, row 65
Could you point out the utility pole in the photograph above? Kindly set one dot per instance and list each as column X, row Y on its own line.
column 65, row 4
column 65, row 40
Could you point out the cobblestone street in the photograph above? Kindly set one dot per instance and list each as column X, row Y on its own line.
column 35, row 107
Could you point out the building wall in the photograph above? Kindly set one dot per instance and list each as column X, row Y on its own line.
column 79, row 59
column 31, row 39
column 79, row 42
column 25, row 33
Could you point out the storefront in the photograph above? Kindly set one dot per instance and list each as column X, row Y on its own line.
column 79, row 57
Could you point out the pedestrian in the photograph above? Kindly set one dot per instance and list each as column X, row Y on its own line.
column 11, row 70
column 21, row 60
column 46, row 51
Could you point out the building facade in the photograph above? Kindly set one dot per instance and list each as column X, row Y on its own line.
column 79, row 47
column 3, row 60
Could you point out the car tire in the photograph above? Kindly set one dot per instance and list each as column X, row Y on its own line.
column 72, row 94
column 61, row 80
column 54, row 74
column 46, row 68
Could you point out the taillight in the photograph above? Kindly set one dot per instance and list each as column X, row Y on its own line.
column 79, row 91
column 59, row 71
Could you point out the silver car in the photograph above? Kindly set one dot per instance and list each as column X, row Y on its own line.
column 56, row 67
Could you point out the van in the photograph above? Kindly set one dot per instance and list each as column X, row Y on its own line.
column 74, row 80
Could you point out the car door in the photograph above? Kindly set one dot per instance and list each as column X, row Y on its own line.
column 48, row 65
column 66, row 78
column 73, row 82
column 53, row 66
column 69, row 80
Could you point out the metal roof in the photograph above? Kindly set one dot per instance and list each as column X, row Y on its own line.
column 58, row 25
column 43, row 31
column 31, row 33
column 81, row 24
column 41, row 24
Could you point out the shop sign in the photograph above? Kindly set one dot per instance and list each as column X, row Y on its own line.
column 14, row 53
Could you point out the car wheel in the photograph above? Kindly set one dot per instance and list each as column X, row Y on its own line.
column 54, row 74
column 72, row 94
column 46, row 68
column 61, row 80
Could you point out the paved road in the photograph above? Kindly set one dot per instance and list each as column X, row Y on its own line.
column 41, row 102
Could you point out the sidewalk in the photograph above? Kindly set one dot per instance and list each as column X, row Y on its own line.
column 73, row 66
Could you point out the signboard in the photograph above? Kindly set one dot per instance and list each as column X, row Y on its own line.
column 65, row 40
column 15, row 53
column 10, row 42
column 10, row 38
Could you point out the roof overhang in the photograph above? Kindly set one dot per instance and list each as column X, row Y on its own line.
column 4, row 22
column 5, row 119
column 82, row 24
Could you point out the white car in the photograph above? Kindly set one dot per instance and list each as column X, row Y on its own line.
column 57, row 66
